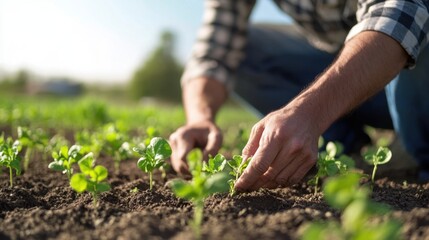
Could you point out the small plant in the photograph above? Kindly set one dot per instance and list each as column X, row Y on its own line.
column 237, row 168
column 32, row 140
column 359, row 213
column 9, row 158
column 55, row 144
column 200, row 187
column 115, row 145
column 89, row 142
column 215, row 164
column 153, row 156
column 330, row 163
column 91, row 179
column 65, row 159
column 381, row 156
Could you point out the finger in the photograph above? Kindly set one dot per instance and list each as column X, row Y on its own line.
column 214, row 142
column 302, row 170
column 184, row 145
column 257, row 166
column 279, row 164
column 295, row 171
column 253, row 142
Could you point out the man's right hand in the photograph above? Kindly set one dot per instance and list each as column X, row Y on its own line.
column 205, row 135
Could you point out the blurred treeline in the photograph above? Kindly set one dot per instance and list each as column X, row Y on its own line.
column 157, row 78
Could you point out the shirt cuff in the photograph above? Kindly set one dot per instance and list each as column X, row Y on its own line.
column 407, row 23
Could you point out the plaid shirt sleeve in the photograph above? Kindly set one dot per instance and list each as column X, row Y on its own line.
column 219, row 46
column 406, row 21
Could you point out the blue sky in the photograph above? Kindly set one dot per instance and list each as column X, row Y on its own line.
column 99, row 40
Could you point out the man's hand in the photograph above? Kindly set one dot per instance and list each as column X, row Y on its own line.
column 205, row 135
column 283, row 148
column 202, row 97
column 283, row 145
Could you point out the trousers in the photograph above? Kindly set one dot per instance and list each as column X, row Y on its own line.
column 280, row 63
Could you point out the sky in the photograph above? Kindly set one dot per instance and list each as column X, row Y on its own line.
column 99, row 40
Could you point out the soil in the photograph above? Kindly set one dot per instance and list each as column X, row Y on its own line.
column 41, row 205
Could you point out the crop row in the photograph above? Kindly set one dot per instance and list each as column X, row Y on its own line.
column 342, row 190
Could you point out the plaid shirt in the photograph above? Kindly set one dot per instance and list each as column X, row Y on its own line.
column 328, row 24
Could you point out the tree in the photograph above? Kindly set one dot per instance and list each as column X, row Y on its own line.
column 159, row 76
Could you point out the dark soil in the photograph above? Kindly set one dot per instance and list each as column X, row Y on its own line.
column 41, row 205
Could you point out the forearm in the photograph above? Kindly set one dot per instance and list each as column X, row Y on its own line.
column 202, row 98
column 366, row 64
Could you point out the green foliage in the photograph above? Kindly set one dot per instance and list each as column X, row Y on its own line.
column 95, row 111
column 359, row 213
column 215, row 164
column 9, row 158
column 114, row 143
column 381, row 156
column 33, row 140
column 160, row 75
column 89, row 142
column 331, row 162
column 200, row 187
column 153, row 156
column 237, row 166
column 55, row 144
column 65, row 159
column 91, row 179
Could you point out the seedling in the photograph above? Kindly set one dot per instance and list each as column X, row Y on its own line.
column 55, row 144
column 89, row 142
column 237, row 168
column 91, row 179
column 153, row 156
column 32, row 140
column 65, row 159
column 215, row 164
column 9, row 158
column 330, row 163
column 114, row 145
column 358, row 212
column 381, row 156
column 200, row 187
column 151, row 132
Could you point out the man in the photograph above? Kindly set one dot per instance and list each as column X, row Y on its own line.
column 354, row 50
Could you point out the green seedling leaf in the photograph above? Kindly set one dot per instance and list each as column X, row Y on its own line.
column 9, row 158
column 339, row 192
column 358, row 213
column 79, row 182
column 215, row 164
column 381, row 156
column 331, row 162
column 101, row 172
column 102, row 187
column 65, row 158
column 91, row 178
column 217, row 183
column 237, row 165
column 32, row 140
column 153, row 156
column 202, row 185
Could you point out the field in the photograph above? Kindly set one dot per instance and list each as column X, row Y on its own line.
column 42, row 205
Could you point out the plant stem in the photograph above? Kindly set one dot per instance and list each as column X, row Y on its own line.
column 316, row 185
column 373, row 173
column 10, row 177
column 27, row 158
column 198, row 218
column 117, row 160
column 94, row 199
column 150, row 181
